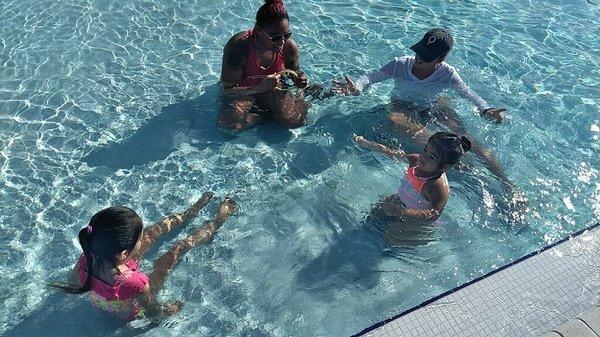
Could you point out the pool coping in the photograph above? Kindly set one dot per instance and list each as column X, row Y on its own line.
column 464, row 285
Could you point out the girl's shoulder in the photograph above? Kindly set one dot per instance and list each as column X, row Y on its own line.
column 438, row 185
column 132, row 282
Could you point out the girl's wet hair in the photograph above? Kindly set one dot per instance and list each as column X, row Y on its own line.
column 270, row 12
column 450, row 147
column 111, row 231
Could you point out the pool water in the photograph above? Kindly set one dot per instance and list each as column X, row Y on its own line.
column 111, row 102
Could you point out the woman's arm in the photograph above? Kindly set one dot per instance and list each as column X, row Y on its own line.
column 269, row 83
column 458, row 85
column 378, row 147
column 292, row 62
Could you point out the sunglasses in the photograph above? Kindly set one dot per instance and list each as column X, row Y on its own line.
column 277, row 37
column 426, row 60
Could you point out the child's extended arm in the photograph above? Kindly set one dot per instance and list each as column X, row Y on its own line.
column 394, row 153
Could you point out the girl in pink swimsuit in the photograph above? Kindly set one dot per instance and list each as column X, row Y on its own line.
column 424, row 190
column 114, row 242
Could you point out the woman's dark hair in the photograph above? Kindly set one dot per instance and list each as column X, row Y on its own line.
column 111, row 231
column 450, row 147
column 271, row 12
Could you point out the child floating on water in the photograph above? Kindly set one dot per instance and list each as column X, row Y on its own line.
column 114, row 242
column 424, row 190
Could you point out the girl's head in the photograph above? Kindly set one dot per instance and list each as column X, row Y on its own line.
column 443, row 149
column 112, row 232
column 112, row 235
column 272, row 24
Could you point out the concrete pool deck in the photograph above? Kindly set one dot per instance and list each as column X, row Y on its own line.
column 551, row 292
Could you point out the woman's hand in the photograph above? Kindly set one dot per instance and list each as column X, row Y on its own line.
column 269, row 83
column 345, row 88
column 497, row 115
column 290, row 77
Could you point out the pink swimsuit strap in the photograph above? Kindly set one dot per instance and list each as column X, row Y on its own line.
column 253, row 72
column 411, row 188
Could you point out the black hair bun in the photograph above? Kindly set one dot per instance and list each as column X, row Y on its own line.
column 466, row 143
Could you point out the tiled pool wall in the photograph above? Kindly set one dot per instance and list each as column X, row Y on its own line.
column 536, row 294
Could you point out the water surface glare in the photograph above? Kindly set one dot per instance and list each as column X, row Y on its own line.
column 106, row 102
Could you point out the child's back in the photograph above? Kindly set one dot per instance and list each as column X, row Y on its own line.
column 116, row 295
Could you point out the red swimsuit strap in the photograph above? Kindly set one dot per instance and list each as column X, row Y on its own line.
column 253, row 73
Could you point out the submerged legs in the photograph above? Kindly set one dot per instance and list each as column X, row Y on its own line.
column 155, row 231
column 164, row 264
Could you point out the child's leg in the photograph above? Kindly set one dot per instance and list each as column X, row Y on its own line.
column 164, row 264
column 152, row 233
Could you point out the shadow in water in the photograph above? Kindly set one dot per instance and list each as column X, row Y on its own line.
column 75, row 316
column 352, row 259
column 192, row 121
column 329, row 137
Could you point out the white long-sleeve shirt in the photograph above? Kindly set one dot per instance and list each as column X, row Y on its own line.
column 421, row 92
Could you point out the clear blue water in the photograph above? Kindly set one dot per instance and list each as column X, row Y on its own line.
column 111, row 102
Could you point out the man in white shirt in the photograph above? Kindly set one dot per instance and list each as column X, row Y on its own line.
column 419, row 81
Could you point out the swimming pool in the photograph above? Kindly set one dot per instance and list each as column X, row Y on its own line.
column 105, row 103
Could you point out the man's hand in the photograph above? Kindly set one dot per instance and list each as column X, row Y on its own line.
column 345, row 88
column 497, row 115
column 301, row 81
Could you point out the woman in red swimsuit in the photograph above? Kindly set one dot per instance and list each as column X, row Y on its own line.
column 249, row 75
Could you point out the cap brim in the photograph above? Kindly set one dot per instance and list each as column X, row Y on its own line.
column 423, row 52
